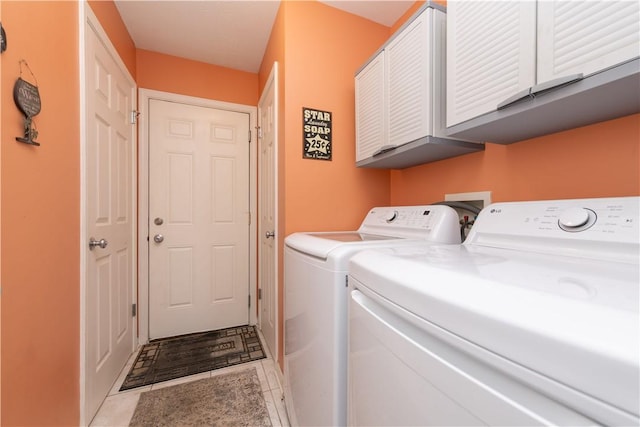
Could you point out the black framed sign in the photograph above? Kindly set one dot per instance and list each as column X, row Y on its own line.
column 316, row 134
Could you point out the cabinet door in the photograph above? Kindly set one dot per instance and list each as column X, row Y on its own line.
column 408, row 78
column 490, row 55
column 370, row 108
column 585, row 36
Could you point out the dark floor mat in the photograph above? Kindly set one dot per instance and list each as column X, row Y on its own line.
column 175, row 357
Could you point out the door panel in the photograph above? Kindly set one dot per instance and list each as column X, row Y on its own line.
column 199, row 191
column 268, row 272
column 109, row 175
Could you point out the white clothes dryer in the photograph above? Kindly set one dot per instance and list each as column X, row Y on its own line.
column 315, row 307
column 532, row 321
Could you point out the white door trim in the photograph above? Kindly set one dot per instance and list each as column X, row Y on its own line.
column 144, row 95
column 87, row 17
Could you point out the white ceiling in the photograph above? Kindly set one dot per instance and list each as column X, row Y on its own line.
column 228, row 33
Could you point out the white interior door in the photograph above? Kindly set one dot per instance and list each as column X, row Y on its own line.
column 198, row 218
column 267, row 258
column 109, row 194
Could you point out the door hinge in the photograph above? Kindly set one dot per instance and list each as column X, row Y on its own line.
column 259, row 129
column 134, row 310
column 346, row 281
column 249, row 301
column 249, row 136
column 260, row 293
column 134, row 117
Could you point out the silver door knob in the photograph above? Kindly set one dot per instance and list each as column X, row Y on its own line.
column 102, row 243
column 270, row 234
column 158, row 238
column 158, row 221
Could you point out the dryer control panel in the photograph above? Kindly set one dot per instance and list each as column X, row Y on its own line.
column 580, row 226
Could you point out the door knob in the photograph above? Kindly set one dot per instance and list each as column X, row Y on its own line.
column 158, row 221
column 270, row 234
column 158, row 238
column 102, row 243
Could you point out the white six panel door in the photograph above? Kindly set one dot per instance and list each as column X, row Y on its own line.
column 110, row 213
column 198, row 219
column 267, row 190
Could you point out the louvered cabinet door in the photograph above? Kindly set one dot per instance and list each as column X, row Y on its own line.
column 491, row 54
column 370, row 108
column 408, row 76
column 585, row 36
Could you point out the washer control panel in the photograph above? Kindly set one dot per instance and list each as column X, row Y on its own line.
column 437, row 222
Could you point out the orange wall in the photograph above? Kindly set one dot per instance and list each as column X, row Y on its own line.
column 186, row 77
column 112, row 23
column 323, row 48
column 600, row 160
column 40, row 199
column 317, row 70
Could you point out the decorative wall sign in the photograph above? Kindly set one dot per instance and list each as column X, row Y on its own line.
column 316, row 134
column 3, row 39
column 27, row 99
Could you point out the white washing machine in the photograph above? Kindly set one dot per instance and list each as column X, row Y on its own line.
column 316, row 292
column 532, row 321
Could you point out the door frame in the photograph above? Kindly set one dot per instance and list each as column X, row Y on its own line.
column 144, row 96
column 87, row 17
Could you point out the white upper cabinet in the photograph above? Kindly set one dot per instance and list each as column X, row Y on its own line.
column 371, row 126
column 520, row 69
column 400, row 98
column 409, row 79
column 585, row 36
column 491, row 55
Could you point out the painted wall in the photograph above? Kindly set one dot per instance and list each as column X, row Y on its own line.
column 109, row 17
column 600, row 160
column 186, row 77
column 320, row 67
column 40, row 202
column 317, row 71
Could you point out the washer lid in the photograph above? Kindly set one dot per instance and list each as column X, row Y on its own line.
column 567, row 318
column 321, row 244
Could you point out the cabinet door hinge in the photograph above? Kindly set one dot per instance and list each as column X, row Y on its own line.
column 134, row 310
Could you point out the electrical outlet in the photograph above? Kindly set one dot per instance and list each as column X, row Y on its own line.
column 479, row 199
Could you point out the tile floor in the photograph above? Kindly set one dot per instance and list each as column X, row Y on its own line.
column 118, row 407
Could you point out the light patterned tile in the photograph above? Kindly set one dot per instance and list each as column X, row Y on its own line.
column 273, row 410
column 278, row 398
column 270, row 371
column 117, row 410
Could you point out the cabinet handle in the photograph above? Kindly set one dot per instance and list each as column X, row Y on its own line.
column 383, row 150
column 541, row 88
column 520, row 96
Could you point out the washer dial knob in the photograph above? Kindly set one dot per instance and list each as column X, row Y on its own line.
column 391, row 216
column 576, row 219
